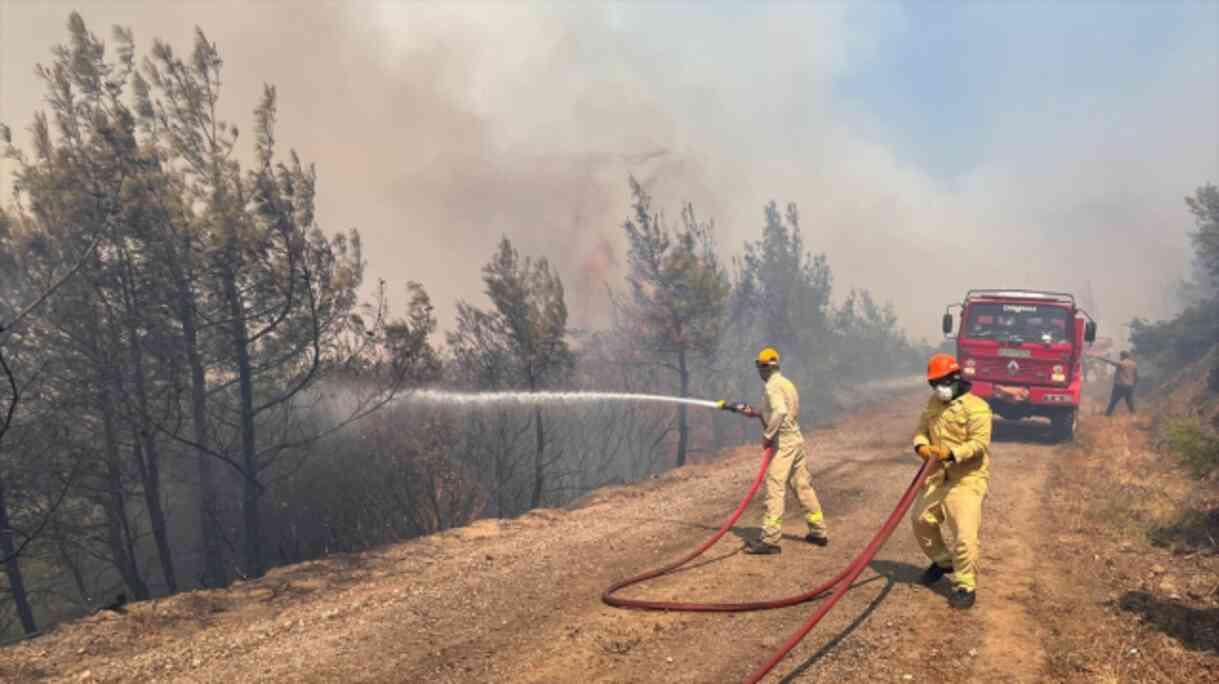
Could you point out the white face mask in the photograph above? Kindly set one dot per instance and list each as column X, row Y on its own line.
column 944, row 393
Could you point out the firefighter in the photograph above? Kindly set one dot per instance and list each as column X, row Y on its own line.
column 789, row 465
column 1125, row 377
column 954, row 429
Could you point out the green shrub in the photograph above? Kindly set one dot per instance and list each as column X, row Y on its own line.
column 1197, row 448
column 1180, row 341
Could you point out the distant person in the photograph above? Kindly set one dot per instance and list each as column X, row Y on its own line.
column 1125, row 378
column 789, row 465
column 954, row 429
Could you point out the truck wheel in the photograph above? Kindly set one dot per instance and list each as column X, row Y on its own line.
column 1064, row 425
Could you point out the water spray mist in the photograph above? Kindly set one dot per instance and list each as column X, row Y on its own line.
column 533, row 398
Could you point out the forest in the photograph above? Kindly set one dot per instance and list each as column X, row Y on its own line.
column 198, row 384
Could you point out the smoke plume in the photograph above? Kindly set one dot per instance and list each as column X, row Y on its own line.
column 437, row 128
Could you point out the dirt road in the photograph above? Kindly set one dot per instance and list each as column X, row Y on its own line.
column 518, row 601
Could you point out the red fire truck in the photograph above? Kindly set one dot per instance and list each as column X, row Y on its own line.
column 1023, row 351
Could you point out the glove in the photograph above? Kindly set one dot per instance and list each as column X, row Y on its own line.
column 747, row 411
column 939, row 453
column 768, row 443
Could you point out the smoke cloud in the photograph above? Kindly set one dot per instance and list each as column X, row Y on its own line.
column 437, row 128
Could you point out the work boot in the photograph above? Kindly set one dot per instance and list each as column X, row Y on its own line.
column 761, row 548
column 816, row 539
column 962, row 599
column 934, row 573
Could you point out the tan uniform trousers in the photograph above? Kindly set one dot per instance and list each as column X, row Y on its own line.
column 790, row 467
column 957, row 506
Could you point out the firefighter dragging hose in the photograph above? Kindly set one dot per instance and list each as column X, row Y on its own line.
column 953, row 430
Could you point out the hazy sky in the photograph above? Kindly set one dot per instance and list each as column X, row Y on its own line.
column 932, row 147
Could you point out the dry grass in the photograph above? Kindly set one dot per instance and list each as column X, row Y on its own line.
column 1127, row 607
column 201, row 606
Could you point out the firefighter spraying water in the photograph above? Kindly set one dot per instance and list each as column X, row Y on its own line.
column 781, row 432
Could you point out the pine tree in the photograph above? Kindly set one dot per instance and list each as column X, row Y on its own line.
column 519, row 343
column 678, row 295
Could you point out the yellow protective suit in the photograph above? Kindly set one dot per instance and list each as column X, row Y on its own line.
column 953, row 493
column 781, row 412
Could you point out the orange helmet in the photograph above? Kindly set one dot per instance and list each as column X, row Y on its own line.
column 941, row 366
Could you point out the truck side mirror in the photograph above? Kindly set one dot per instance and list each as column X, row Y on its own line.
column 1090, row 332
column 947, row 324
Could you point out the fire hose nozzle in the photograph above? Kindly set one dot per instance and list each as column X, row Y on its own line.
column 733, row 406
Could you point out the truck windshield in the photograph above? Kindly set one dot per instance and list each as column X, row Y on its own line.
column 1018, row 323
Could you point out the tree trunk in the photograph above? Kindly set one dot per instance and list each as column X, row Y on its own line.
column 148, row 459
column 539, row 476
column 151, row 476
column 683, row 418
column 717, row 433
column 113, row 497
column 249, row 466
column 78, row 577
column 497, row 455
column 12, row 568
column 122, row 546
column 211, row 548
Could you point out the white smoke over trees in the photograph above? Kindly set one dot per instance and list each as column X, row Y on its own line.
column 467, row 113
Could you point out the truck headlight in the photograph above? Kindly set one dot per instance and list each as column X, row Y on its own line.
column 1059, row 374
column 970, row 367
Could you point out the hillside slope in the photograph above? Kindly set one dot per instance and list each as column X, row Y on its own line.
column 518, row 600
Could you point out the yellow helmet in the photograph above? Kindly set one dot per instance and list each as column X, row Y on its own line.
column 769, row 356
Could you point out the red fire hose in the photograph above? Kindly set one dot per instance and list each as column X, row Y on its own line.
column 840, row 583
